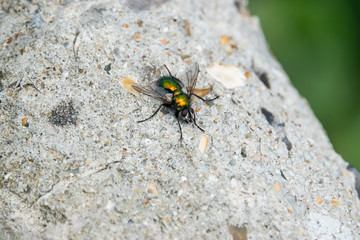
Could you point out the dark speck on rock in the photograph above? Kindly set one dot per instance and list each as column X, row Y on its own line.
column 264, row 79
column 1, row 85
column 269, row 116
column 287, row 143
column 243, row 152
column 108, row 68
column 282, row 175
column 357, row 178
column 63, row 114
column 141, row 5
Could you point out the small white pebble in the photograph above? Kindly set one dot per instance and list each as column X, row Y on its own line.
column 233, row 182
column 213, row 178
column 180, row 192
column 183, row 179
column 229, row 76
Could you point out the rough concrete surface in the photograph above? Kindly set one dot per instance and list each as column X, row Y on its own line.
column 75, row 164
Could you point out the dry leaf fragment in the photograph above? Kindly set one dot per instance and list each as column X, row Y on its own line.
column 319, row 200
column 153, row 188
column 200, row 92
column 127, row 84
column 238, row 233
column 247, row 75
column 203, row 144
column 188, row 27
column 184, row 56
column 164, row 41
column 229, row 44
column 23, row 121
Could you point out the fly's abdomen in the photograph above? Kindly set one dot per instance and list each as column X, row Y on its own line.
column 169, row 83
column 181, row 101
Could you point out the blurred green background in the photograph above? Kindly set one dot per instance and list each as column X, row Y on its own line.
column 318, row 45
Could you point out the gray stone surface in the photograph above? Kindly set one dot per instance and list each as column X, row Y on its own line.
column 75, row 164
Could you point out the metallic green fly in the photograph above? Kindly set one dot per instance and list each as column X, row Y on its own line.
column 174, row 94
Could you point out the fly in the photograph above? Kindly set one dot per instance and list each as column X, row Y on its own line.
column 169, row 90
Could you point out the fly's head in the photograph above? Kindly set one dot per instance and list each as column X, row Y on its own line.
column 187, row 115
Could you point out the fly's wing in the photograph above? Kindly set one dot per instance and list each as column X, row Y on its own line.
column 191, row 78
column 152, row 92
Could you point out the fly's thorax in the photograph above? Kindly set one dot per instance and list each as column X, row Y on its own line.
column 171, row 84
column 181, row 100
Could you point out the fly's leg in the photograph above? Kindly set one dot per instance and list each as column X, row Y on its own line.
column 194, row 118
column 153, row 113
column 205, row 100
column 178, row 121
column 168, row 70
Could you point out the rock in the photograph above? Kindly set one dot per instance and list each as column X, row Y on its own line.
column 81, row 167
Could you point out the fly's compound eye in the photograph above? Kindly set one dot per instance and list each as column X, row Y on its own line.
column 192, row 110
column 184, row 113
